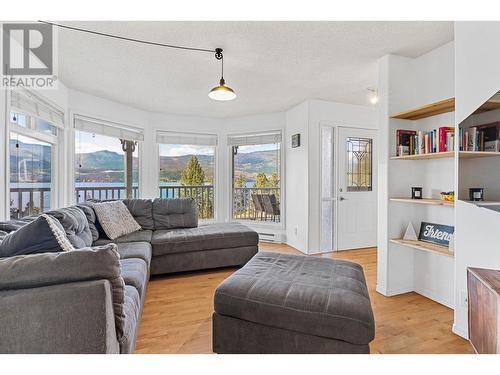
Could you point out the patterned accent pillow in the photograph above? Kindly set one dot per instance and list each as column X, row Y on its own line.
column 115, row 218
column 43, row 235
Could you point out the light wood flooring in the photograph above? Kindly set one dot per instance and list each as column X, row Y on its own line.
column 178, row 309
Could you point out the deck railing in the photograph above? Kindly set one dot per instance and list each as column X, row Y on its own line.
column 103, row 193
column 28, row 201
column 33, row 201
column 203, row 194
column 244, row 205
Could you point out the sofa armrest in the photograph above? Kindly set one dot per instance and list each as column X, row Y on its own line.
column 24, row 274
column 75, row 317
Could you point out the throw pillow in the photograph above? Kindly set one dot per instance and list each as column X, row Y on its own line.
column 115, row 218
column 43, row 235
column 74, row 221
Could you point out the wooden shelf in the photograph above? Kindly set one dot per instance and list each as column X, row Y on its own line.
column 478, row 154
column 433, row 109
column 482, row 203
column 448, row 154
column 433, row 155
column 490, row 105
column 428, row 201
column 425, row 246
column 442, row 106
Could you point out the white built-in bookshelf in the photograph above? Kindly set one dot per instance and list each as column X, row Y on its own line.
column 431, row 265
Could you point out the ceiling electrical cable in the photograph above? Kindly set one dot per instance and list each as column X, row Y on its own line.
column 221, row 92
column 127, row 38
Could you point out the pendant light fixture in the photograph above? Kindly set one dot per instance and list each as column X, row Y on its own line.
column 221, row 92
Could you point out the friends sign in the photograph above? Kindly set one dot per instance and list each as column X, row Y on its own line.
column 436, row 233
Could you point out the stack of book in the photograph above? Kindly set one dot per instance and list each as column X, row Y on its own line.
column 481, row 138
column 411, row 142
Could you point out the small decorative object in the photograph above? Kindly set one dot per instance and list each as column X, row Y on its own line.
column 295, row 140
column 410, row 233
column 438, row 234
column 416, row 193
column 476, row 194
column 448, row 196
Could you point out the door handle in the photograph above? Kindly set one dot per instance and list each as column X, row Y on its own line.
column 341, row 199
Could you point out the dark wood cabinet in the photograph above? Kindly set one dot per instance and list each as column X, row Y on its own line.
column 484, row 309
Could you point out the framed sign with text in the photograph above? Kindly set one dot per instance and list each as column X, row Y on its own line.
column 438, row 234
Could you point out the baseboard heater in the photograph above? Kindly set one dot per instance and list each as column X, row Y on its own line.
column 269, row 237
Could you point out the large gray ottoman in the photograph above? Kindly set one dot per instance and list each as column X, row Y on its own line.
column 280, row 303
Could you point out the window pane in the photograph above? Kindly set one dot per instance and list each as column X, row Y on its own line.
column 188, row 171
column 256, row 182
column 30, row 176
column 17, row 118
column 100, row 170
column 45, row 127
column 359, row 164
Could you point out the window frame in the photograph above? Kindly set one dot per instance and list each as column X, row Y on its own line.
column 255, row 223
column 215, row 174
column 31, row 132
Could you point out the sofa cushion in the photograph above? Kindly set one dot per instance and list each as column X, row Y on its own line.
column 312, row 295
column 12, row 225
column 43, row 235
column 135, row 273
column 175, row 213
column 142, row 211
column 141, row 250
column 204, row 237
column 75, row 224
column 132, row 312
column 91, row 219
column 115, row 218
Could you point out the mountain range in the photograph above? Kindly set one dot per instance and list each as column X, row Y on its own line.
column 107, row 166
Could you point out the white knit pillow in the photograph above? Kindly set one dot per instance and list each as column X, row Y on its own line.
column 58, row 233
column 115, row 219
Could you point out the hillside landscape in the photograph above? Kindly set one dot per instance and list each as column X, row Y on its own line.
column 108, row 166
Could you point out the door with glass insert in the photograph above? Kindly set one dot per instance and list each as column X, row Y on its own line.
column 356, row 190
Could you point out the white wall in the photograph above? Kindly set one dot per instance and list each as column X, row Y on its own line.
column 337, row 115
column 303, row 175
column 297, row 175
column 477, row 78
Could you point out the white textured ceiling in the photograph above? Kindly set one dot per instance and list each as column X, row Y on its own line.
column 271, row 65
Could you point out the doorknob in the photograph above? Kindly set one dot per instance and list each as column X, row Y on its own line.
column 341, row 198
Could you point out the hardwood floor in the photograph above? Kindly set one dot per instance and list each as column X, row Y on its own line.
column 178, row 309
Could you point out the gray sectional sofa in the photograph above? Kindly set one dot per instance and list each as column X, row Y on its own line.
column 90, row 300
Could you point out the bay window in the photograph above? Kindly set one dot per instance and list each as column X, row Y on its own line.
column 256, row 177
column 187, row 168
column 34, row 128
column 106, row 160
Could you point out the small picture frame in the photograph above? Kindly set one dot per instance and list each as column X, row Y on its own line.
column 296, row 140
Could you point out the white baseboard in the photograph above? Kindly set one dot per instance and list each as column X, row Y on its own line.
column 394, row 292
column 433, row 296
column 460, row 331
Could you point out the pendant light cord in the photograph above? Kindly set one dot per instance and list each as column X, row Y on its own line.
column 127, row 39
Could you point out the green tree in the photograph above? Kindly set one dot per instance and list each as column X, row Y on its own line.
column 193, row 173
column 274, row 182
column 240, row 181
column 261, row 181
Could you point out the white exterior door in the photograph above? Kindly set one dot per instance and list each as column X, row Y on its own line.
column 356, row 188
